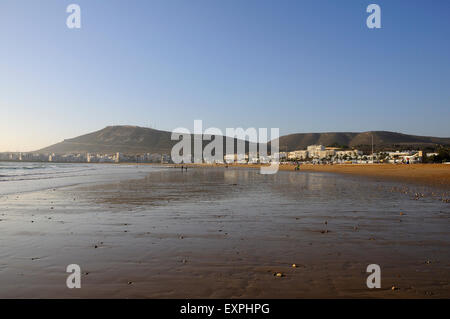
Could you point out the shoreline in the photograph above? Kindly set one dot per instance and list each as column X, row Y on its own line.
column 84, row 174
column 437, row 175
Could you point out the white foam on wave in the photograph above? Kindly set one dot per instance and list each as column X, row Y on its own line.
column 16, row 177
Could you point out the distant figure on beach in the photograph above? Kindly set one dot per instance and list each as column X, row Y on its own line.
column 181, row 167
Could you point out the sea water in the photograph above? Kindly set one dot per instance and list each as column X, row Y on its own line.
column 20, row 177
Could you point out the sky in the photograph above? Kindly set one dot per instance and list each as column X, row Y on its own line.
column 301, row 66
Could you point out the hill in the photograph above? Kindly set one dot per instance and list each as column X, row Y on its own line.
column 125, row 139
column 111, row 139
column 383, row 140
column 134, row 139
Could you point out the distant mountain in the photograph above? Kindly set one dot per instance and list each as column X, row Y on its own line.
column 111, row 139
column 124, row 139
column 134, row 139
column 383, row 140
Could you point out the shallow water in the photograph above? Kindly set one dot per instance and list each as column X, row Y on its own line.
column 224, row 233
column 19, row 177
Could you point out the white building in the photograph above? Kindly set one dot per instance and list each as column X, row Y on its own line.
column 118, row 157
column 349, row 153
column 253, row 158
column 298, row 155
column 316, row 151
column 230, row 158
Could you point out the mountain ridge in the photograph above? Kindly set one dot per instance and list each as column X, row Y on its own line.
column 135, row 139
column 382, row 140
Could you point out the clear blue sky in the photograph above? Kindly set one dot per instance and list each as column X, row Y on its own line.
column 302, row 66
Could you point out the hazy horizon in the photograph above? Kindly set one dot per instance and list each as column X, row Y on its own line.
column 302, row 66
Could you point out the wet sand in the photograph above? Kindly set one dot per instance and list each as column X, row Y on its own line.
column 431, row 174
column 224, row 233
column 437, row 175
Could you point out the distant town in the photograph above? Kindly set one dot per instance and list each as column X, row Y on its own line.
column 313, row 154
column 319, row 154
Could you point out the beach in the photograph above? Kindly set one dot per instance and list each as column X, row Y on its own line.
column 437, row 175
column 226, row 233
column 429, row 174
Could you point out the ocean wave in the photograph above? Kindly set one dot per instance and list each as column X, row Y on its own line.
column 19, row 171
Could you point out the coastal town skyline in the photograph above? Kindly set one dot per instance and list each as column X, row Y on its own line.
column 132, row 144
